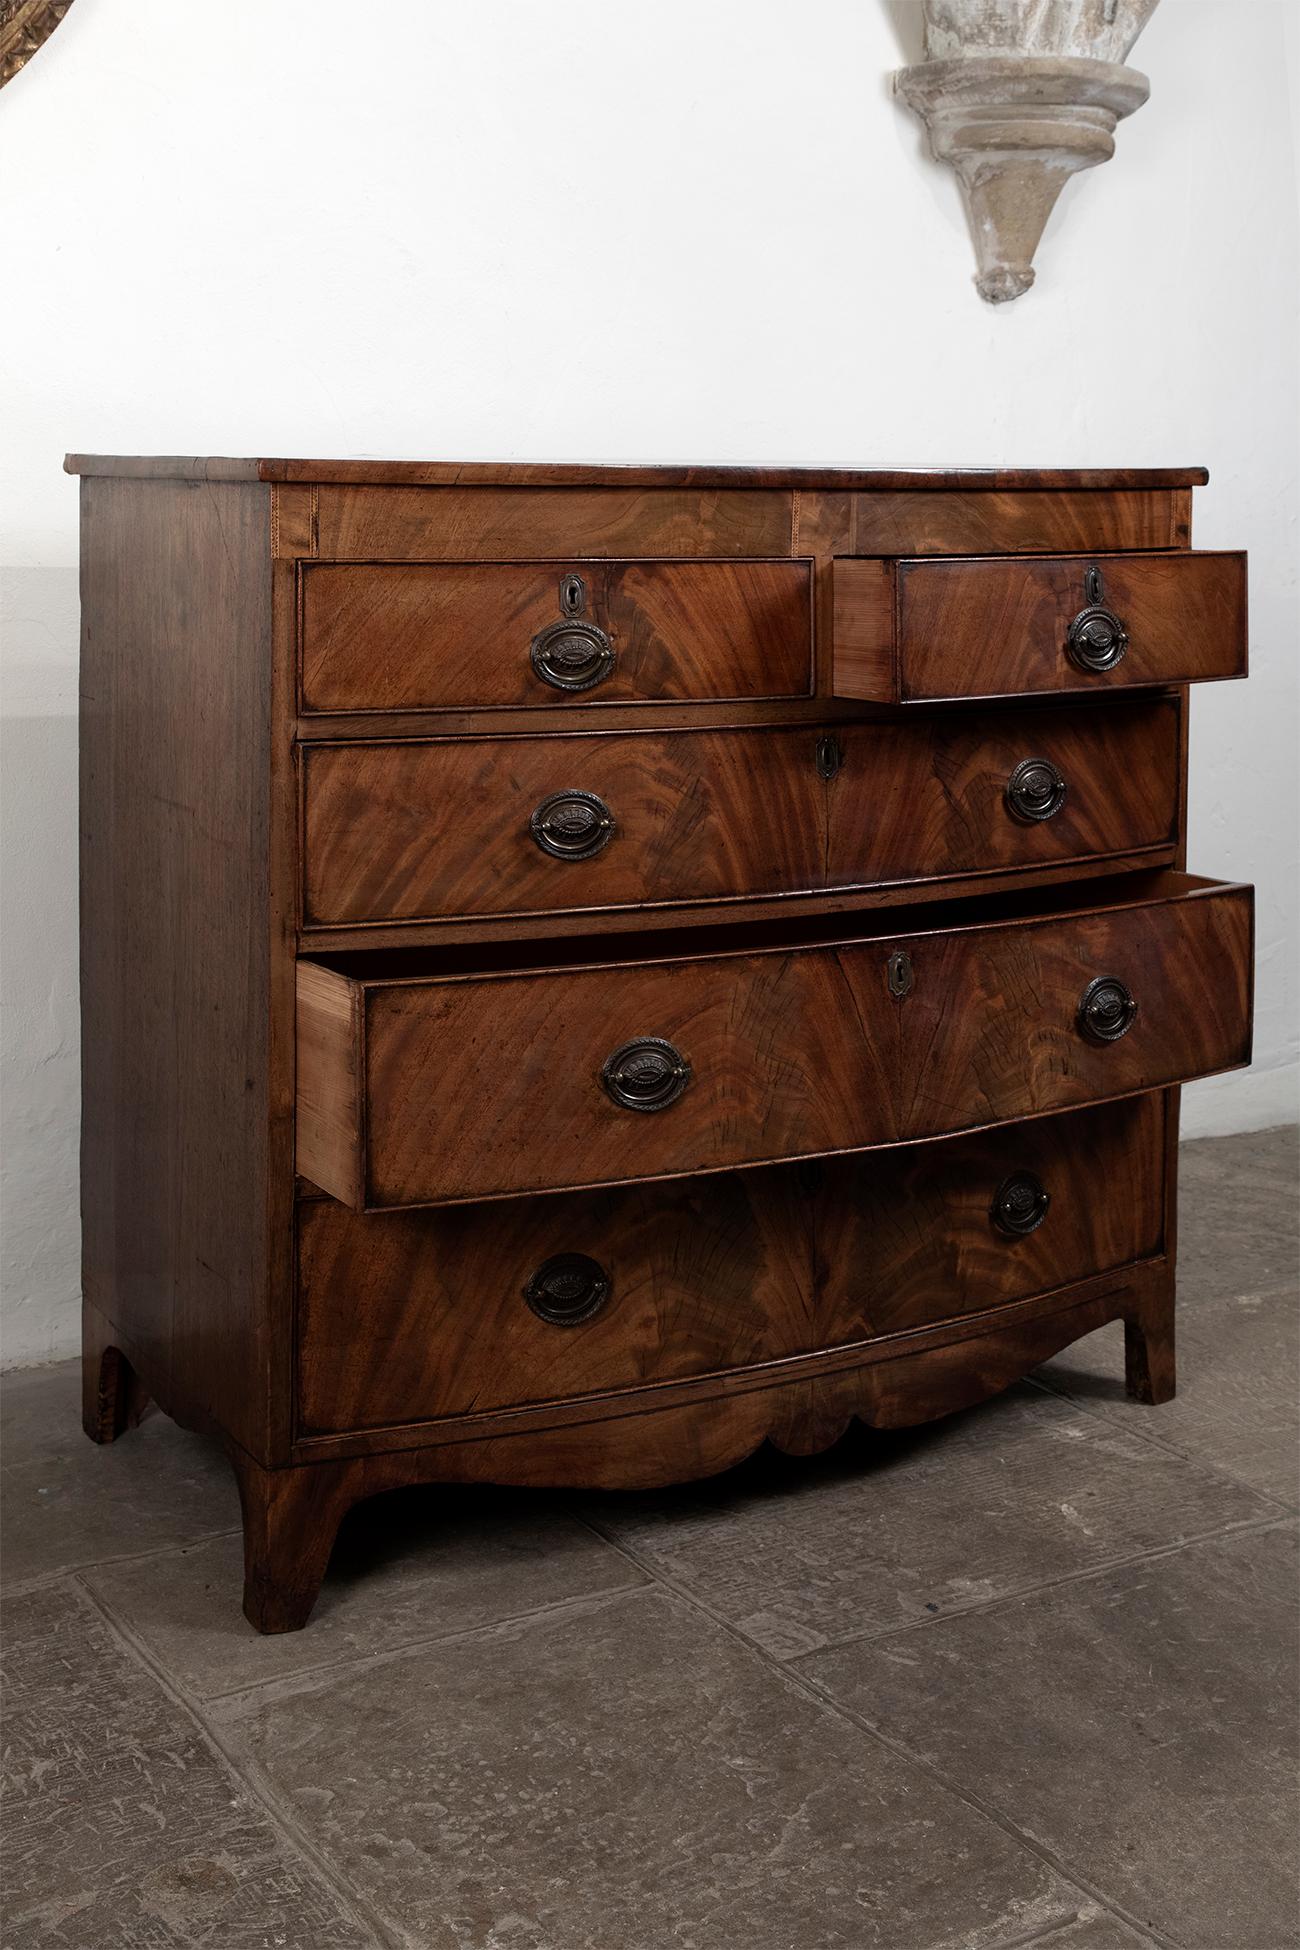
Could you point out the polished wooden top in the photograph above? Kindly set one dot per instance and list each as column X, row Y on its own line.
column 441, row 473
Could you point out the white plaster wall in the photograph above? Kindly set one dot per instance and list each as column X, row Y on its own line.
column 563, row 229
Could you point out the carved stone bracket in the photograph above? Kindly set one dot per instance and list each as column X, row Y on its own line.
column 1015, row 123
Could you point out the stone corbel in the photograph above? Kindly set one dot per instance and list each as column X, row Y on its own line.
column 1017, row 95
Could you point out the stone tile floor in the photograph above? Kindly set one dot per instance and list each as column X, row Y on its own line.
column 1025, row 1677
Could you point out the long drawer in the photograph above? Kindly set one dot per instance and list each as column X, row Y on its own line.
column 454, row 635
column 443, row 829
column 410, row 1316
column 427, row 1081
column 1005, row 625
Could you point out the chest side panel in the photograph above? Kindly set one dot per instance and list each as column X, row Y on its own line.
column 183, row 1135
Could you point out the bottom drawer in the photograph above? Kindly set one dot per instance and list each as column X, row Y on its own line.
column 416, row 1316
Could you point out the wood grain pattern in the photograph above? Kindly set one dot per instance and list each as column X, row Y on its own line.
column 504, row 523
column 636, row 924
column 796, row 1380
column 864, row 636
column 457, row 635
column 508, row 524
column 1026, row 521
column 975, row 631
column 403, row 831
column 991, row 1021
column 949, row 1375
column 113, row 1397
column 180, row 1151
column 483, row 1085
column 291, row 1515
column 905, row 1237
column 423, row 473
column 996, row 627
column 416, row 1316
column 409, row 1316
column 921, row 797
column 295, row 517
column 412, row 831
column 331, row 1095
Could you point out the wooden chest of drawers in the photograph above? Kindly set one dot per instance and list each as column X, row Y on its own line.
column 586, row 970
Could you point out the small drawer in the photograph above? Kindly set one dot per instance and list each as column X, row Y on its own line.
column 414, row 1316
column 476, row 635
column 925, row 630
column 453, row 829
column 428, row 1080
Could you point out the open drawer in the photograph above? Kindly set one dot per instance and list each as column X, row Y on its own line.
column 935, row 628
column 439, row 1076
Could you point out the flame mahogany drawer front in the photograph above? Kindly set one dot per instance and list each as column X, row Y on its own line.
column 920, row 631
column 546, row 1300
column 417, row 1089
column 552, row 1016
column 438, row 830
column 457, row 634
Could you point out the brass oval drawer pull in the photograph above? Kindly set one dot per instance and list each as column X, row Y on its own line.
column 1036, row 790
column 572, row 655
column 1096, row 639
column 567, row 1288
column 1106, row 1009
column 572, row 825
column 646, row 1074
column 1020, row 1204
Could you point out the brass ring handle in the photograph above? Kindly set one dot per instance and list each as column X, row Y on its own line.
column 1096, row 639
column 567, row 1288
column 1036, row 790
column 572, row 825
column 1020, row 1204
column 646, row 1074
column 1107, row 1009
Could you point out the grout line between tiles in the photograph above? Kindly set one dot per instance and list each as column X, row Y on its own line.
column 1130, row 1426
column 811, row 1690
column 382, row 1933
column 310, row 1678
column 1059, row 1933
column 1036, row 1936
column 357, row 1661
column 41, row 1580
column 1276, row 1520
